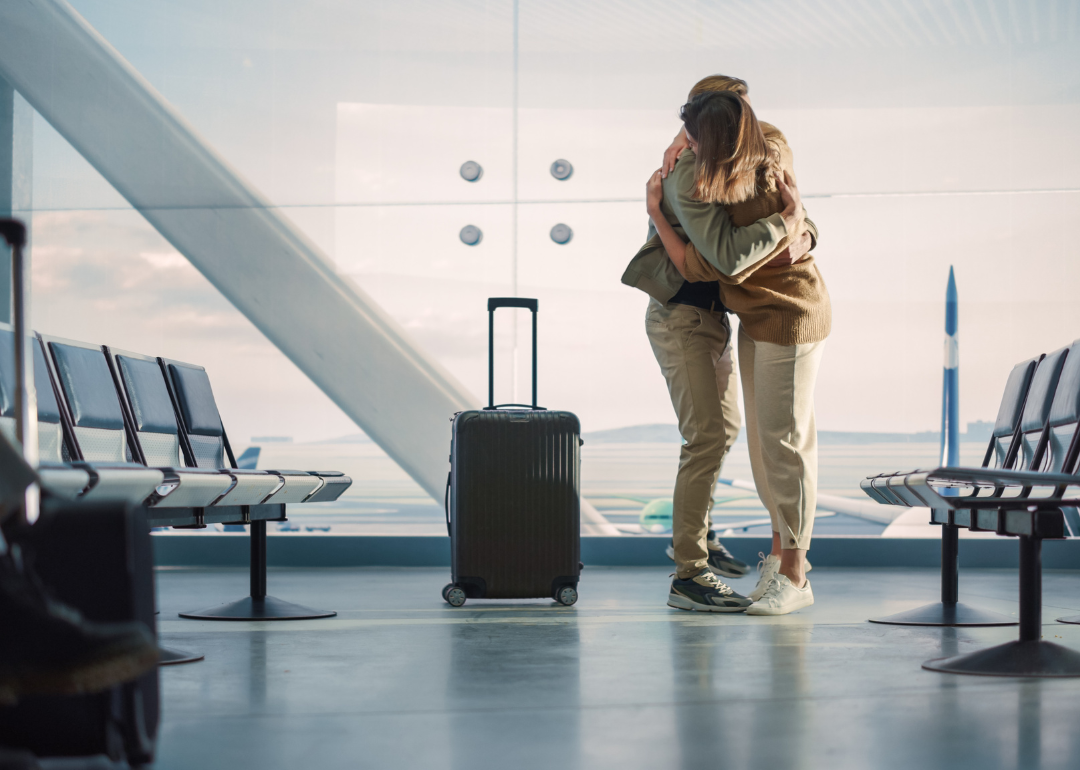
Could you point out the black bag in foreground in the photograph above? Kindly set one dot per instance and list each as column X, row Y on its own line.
column 513, row 502
column 97, row 558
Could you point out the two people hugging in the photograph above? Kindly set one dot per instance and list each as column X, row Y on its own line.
column 729, row 234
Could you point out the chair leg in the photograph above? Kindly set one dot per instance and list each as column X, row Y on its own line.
column 949, row 611
column 1028, row 656
column 258, row 606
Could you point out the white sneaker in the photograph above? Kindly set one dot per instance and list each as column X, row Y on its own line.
column 766, row 568
column 781, row 597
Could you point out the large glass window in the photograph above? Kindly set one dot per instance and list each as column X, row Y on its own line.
column 440, row 153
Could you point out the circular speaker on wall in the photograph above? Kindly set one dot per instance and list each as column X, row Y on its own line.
column 471, row 171
column 471, row 235
column 562, row 169
column 561, row 234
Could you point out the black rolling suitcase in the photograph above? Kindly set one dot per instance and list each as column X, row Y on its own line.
column 513, row 507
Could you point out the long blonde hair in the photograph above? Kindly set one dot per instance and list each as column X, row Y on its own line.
column 734, row 161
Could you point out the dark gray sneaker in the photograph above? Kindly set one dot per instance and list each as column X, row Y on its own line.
column 705, row 593
column 721, row 562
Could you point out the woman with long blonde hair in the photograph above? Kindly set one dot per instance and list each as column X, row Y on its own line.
column 784, row 315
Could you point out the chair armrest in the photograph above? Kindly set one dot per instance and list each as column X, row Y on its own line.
column 1010, row 489
column 1000, row 478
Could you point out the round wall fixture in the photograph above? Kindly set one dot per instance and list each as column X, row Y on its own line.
column 471, row 171
column 562, row 169
column 471, row 235
column 561, row 234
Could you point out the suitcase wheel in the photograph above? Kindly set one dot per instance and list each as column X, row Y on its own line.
column 567, row 595
column 454, row 596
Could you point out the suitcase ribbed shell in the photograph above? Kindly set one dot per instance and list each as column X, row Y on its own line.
column 515, row 506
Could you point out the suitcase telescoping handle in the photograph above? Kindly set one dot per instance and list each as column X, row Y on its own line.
column 26, row 426
column 494, row 304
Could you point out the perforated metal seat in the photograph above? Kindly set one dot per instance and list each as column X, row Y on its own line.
column 1046, row 448
column 157, row 434
column 202, row 424
column 911, row 488
column 57, row 477
column 88, row 395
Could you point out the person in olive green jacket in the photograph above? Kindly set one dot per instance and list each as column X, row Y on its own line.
column 690, row 336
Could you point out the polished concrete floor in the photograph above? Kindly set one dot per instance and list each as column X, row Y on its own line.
column 401, row 680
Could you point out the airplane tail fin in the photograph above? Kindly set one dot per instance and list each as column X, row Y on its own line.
column 249, row 460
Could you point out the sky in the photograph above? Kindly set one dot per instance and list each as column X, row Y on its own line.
column 925, row 135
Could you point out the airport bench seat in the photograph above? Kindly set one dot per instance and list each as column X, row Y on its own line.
column 201, row 423
column 158, row 439
column 251, row 487
column 893, row 488
column 111, row 429
column 64, row 481
column 100, row 435
column 1006, row 488
column 1039, row 414
column 334, row 484
column 1038, row 428
column 60, row 476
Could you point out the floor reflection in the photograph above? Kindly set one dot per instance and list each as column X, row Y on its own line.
column 257, row 675
column 719, row 721
column 782, row 725
column 529, row 671
column 1029, row 725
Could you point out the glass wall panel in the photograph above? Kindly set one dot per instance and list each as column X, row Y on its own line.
column 926, row 135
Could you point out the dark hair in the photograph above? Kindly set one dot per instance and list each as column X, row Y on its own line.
column 734, row 161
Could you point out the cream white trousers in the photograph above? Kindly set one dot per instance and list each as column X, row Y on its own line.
column 778, row 394
column 693, row 348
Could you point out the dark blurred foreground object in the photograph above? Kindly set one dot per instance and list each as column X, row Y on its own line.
column 16, row 759
column 91, row 631
column 13, row 231
column 49, row 648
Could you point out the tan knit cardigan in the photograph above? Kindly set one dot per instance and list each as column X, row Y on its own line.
column 783, row 305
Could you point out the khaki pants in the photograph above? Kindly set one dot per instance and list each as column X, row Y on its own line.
column 693, row 348
column 778, row 393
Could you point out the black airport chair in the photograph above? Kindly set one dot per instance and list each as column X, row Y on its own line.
column 1027, row 505
column 202, row 424
column 890, row 489
column 156, row 431
column 58, row 478
column 988, row 489
column 94, row 425
column 93, row 430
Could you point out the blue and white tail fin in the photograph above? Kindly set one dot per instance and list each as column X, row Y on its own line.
column 249, row 460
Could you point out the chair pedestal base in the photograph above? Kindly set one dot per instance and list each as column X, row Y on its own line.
column 1033, row 658
column 1074, row 620
column 257, row 605
column 941, row 614
column 172, row 657
column 252, row 608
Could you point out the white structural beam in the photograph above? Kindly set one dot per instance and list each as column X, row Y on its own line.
column 329, row 327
